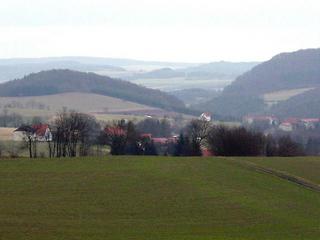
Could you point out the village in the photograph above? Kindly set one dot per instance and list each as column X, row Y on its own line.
column 286, row 125
column 156, row 136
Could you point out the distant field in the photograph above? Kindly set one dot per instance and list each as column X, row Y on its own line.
column 173, row 84
column 278, row 96
column 6, row 133
column 111, row 117
column 84, row 102
column 155, row 198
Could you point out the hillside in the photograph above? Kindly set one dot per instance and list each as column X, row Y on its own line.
column 62, row 81
column 302, row 105
column 289, row 82
column 300, row 69
column 142, row 198
column 83, row 102
column 194, row 95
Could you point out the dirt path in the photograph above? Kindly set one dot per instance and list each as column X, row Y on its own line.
column 280, row 174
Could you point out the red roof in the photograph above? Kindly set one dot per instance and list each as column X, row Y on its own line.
column 115, row 131
column 291, row 121
column 160, row 140
column 310, row 120
column 40, row 129
column 146, row 135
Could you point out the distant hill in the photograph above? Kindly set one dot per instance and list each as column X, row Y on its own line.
column 297, row 72
column 300, row 69
column 159, row 73
column 214, row 70
column 19, row 67
column 13, row 70
column 62, row 81
column 222, row 69
column 117, row 62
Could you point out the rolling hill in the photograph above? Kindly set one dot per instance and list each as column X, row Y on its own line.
column 296, row 76
column 300, row 69
column 82, row 102
column 14, row 70
column 143, row 198
column 64, row 81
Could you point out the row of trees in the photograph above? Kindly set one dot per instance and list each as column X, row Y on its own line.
column 75, row 134
column 239, row 141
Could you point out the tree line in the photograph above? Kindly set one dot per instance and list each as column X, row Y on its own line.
column 77, row 134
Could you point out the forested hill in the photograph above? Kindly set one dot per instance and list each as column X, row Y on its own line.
column 293, row 71
column 300, row 69
column 61, row 81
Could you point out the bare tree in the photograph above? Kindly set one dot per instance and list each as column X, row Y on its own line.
column 73, row 134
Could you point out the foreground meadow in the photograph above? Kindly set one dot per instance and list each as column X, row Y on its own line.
column 157, row 198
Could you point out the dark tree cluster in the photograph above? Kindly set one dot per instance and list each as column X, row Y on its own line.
column 239, row 141
column 123, row 138
column 156, row 127
column 73, row 133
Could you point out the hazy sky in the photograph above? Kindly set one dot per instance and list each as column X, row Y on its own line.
column 173, row 30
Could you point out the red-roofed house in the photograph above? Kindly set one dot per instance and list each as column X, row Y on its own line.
column 206, row 116
column 161, row 141
column 289, row 124
column 38, row 132
column 114, row 131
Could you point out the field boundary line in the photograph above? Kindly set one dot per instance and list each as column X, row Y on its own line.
column 280, row 174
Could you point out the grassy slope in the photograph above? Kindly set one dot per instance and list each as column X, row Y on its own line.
column 307, row 168
column 85, row 102
column 278, row 96
column 151, row 198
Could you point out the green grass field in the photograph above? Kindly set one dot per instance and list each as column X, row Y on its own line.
column 157, row 198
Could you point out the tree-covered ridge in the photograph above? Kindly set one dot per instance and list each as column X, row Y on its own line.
column 298, row 69
column 286, row 71
column 60, row 81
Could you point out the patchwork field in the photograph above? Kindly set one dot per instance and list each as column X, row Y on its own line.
column 84, row 102
column 6, row 134
column 278, row 96
column 173, row 84
column 103, row 107
column 157, row 198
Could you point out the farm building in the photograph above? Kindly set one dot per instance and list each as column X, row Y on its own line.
column 206, row 116
column 38, row 132
column 289, row 124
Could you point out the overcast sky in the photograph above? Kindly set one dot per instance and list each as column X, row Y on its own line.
column 172, row 30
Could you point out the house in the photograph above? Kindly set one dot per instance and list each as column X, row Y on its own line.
column 289, row 124
column 114, row 131
column 159, row 140
column 37, row 132
column 206, row 116
column 310, row 123
column 250, row 119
